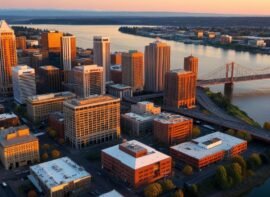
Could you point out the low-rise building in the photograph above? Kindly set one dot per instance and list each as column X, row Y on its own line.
column 226, row 39
column 18, row 147
column 120, row 90
column 9, row 120
column 172, row 128
column 145, row 107
column 256, row 43
column 39, row 107
column 60, row 177
column 136, row 163
column 208, row 149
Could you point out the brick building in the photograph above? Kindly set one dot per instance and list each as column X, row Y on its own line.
column 56, row 122
column 135, row 163
column 9, row 120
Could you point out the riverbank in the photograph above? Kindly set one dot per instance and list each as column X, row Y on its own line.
column 239, row 48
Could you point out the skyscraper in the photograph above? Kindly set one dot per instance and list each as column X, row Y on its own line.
column 157, row 63
column 88, row 80
column 133, row 70
column 8, row 58
column 180, row 89
column 92, row 120
column 191, row 63
column 116, row 58
column 24, row 83
column 51, row 41
column 21, row 42
column 102, row 55
column 68, row 51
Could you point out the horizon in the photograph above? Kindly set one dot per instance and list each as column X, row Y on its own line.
column 230, row 7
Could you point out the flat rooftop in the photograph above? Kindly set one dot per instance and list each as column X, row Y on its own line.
column 180, row 71
column 139, row 117
column 91, row 100
column 120, row 86
column 208, row 145
column 152, row 156
column 168, row 118
column 112, row 193
column 49, row 67
column 117, row 67
column 7, row 116
column 45, row 97
column 59, row 171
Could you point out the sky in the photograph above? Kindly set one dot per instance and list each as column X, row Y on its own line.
column 246, row 7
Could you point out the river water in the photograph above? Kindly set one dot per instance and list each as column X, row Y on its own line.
column 252, row 97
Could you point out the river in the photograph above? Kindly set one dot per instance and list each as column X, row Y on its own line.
column 252, row 97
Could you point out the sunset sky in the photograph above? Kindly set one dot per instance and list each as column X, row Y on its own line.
column 251, row 7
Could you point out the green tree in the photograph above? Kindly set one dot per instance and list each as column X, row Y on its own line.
column 254, row 161
column 236, row 173
column 222, row 179
column 167, row 185
column 266, row 126
column 244, row 135
column 193, row 190
column 44, row 156
column 46, row 147
column 153, row 190
column 241, row 161
column 178, row 193
column 196, row 131
column 230, row 132
column 187, row 170
column 61, row 141
column 52, row 133
column 55, row 153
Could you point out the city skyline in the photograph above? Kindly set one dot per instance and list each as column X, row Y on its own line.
column 260, row 7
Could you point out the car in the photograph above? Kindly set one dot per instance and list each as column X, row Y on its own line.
column 4, row 184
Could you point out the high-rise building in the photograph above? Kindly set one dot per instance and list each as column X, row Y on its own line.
column 88, row 80
column 50, row 79
column 133, row 70
column 102, row 55
column 36, row 60
column 180, row 89
column 24, row 83
column 18, row 147
column 39, row 107
column 136, row 163
column 68, row 54
column 116, row 73
column 8, row 58
column 21, row 42
column 92, row 120
column 157, row 63
column 51, row 41
column 191, row 63
column 116, row 58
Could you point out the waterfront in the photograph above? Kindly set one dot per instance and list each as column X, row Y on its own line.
column 252, row 97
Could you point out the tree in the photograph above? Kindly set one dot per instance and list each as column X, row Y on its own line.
column 32, row 193
column 178, row 193
column 187, row 170
column 52, row 133
column 196, row 131
column 46, row 147
column 153, row 190
column 193, row 190
column 222, row 179
column 44, row 156
column 61, row 141
column 254, row 161
column 244, row 135
column 230, row 132
column 236, row 173
column 241, row 161
column 167, row 185
column 266, row 126
column 55, row 153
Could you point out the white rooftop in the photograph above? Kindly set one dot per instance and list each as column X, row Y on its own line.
column 112, row 193
column 7, row 116
column 120, row 86
column 139, row 117
column 208, row 145
column 152, row 156
column 168, row 118
column 58, row 172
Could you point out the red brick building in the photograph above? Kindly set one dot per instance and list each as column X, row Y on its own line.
column 136, row 163
column 9, row 120
column 208, row 149
column 172, row 128
column 56, row 122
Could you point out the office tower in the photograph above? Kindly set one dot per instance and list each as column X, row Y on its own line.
column 18, row 147
column 21, row 42
column 60, row 177
column 68, row 54
column 8, row 58
column 191, row 63
column 51, row 41
column 136, row 163
column 116, row 73
column 180, row 89
column 91, row 121
column 40, row 106
column 157, row 63
column 133, row 70
column 36, row 60
column 88, row 80
column 50, row 79
column 102, row 55
column 116, row 58
column 172, row 128
column 24, row 83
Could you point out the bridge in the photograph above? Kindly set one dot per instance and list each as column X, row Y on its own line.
column 232, row 72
